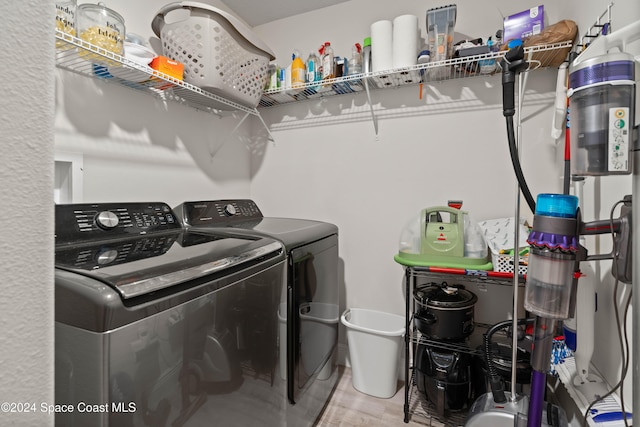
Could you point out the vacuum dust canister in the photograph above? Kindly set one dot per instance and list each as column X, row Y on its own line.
column 602, row 98
column 552, row 258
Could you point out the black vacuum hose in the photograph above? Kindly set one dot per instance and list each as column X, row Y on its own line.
column 513, row 63
column 517, row 168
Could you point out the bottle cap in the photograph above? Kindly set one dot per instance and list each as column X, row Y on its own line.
column 367, row 42
column 424, row 56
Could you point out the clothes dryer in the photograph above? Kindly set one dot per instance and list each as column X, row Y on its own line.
column 310, row 313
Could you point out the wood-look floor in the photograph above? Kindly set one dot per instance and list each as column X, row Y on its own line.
column 349, row 407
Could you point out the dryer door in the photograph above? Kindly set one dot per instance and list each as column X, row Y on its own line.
column 313, row 294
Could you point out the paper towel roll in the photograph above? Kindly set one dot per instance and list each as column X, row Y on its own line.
column 405, row 41
column 381, row 45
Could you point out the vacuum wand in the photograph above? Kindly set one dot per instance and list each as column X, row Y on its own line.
column 542, row 347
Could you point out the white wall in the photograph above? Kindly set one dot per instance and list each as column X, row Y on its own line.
column 26, row 227
column 327, row 163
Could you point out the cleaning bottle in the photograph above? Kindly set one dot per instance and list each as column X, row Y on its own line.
column 320, row 54
column 297, row 71
column 287, row 76
column 355, row 63
column 282, row 79
column 488, row 66
column 339, row 66
column 313, row 69
column 271, row 81
column 327, row 61
column 366, row 55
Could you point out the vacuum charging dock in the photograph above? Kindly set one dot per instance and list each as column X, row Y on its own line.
column 486, row 412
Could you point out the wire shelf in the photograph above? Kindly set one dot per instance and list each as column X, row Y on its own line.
column 418, row 408
column 470, row 345
column 80, row 57
column 437, row 71
column 467, row 276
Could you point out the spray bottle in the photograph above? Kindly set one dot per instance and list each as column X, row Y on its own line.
column 355, row 63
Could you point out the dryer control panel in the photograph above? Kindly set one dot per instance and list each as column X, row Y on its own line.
column 217, row 212
column 97, row 221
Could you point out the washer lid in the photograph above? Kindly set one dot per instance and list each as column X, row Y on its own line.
column 145, row 264
column 139, row 248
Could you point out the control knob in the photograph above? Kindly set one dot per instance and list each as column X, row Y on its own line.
column 106, row 256
column 230, row 210
column 107, row 220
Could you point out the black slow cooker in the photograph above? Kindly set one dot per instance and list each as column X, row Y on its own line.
column 444, row 312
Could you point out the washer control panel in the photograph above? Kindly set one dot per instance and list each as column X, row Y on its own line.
column 218, row 212
column 93, row 256
column 95, row 221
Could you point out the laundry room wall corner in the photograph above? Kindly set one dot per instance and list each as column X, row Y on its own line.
column 26, row 226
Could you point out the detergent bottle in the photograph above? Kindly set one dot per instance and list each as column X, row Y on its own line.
column 297, row 71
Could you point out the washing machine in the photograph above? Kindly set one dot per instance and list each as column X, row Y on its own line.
column 309, row 314
column 156, row 325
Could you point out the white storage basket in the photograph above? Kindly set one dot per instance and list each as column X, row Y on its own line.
column 220, row 54
column 504, row 263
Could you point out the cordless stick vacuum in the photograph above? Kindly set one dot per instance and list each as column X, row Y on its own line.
column 602, row 98
column 500, row 408
column 545, row 321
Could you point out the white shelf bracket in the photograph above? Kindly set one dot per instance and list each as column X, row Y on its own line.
column 373, row 115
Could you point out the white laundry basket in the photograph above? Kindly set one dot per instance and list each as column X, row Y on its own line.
column 375, row 341
column 220, row 54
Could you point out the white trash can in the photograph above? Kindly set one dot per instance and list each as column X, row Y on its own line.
column 375, row 340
